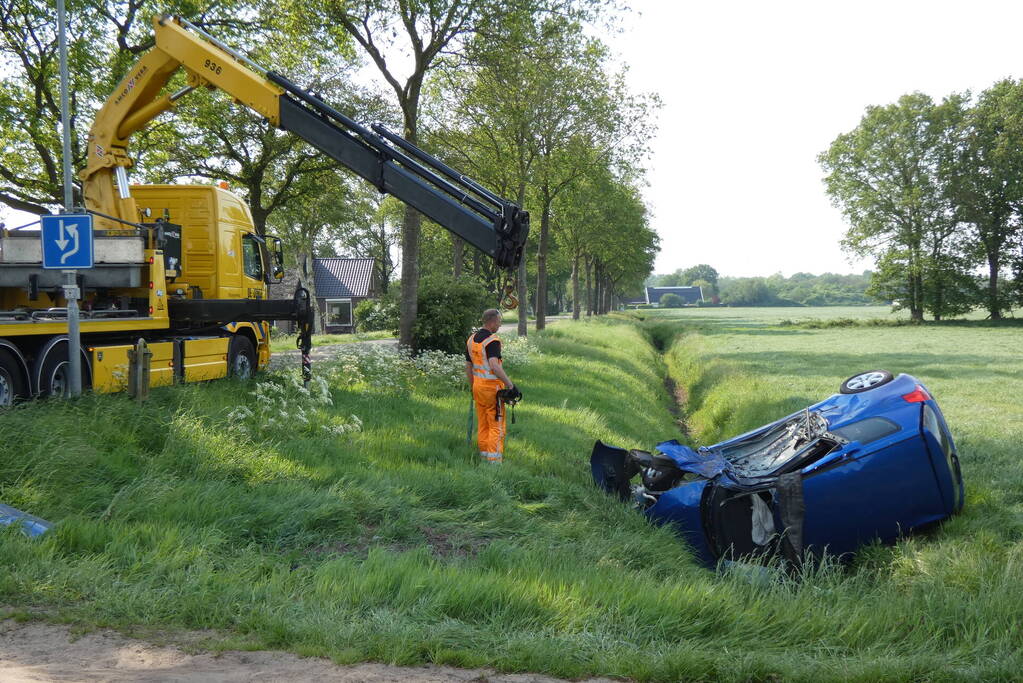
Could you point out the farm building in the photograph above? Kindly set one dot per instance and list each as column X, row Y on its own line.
column 341, row 283
column 690, row 295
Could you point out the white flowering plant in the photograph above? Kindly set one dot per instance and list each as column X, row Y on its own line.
column 398, row 369
column 284, row 405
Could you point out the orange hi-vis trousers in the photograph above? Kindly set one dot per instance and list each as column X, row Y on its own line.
column 490, row 429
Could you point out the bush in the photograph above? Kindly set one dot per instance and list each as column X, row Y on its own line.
column 671, row 300
column 449, row 309
column 377, row 314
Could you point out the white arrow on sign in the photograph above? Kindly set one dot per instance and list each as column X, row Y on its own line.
column 63, row 241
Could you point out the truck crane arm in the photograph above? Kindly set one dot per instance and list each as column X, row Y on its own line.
column 495, row 226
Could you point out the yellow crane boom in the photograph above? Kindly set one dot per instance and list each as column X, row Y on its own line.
column 494, row 225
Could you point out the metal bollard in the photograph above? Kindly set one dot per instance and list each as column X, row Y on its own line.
column 139, row 363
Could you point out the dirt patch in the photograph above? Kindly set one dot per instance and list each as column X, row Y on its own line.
column 36, row 651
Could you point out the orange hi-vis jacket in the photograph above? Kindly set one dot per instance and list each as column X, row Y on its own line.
column 485, row 385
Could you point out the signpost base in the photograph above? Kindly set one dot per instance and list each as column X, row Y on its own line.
column 74, row 338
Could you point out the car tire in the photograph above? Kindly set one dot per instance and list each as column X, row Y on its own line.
column 51, row 370
column 12, row 379
column 865, row 381
column 241, row 357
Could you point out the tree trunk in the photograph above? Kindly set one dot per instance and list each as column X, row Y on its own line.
column 541, row 262
column 589, row 286
column 993, row 305
column 410, row 229
column 309, row 282
column 522, row 293
column 385, row 259
column 523, row 327
column 458, row 255
column 575, row 286
column 598, row 293
column 409, row 306
column 259, row 216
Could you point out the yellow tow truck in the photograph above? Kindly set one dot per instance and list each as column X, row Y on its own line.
column 181, row 266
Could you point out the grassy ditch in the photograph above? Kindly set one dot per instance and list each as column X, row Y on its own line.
column 367, row 530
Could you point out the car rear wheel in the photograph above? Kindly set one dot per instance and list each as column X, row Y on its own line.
column 865, row 381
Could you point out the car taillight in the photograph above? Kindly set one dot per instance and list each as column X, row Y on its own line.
column 918, row 395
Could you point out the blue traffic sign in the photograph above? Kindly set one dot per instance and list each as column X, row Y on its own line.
column 67, row 241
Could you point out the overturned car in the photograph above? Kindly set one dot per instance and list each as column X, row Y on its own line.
column 874, row 461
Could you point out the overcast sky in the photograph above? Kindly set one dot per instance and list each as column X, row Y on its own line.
column 753, row 91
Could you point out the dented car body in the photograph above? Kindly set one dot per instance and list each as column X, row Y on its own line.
column 874, row 461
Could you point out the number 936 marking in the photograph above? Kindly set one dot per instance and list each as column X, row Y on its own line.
column 213, row 66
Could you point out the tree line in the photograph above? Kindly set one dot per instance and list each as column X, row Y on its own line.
column 800, row 289
column 519, row 94
column 933, row 191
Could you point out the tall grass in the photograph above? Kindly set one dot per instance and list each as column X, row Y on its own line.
column 393, row 543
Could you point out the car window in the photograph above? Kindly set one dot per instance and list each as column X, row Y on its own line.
column 251, row 261
column 865, row 431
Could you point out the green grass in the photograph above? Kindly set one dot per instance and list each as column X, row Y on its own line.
column 286, row 342
column 394, row 544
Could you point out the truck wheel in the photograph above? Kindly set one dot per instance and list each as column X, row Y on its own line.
column 12, row 380
column 51, row 369
column 241, row 357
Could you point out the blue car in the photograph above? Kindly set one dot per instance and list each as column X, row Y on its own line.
column 874, row 461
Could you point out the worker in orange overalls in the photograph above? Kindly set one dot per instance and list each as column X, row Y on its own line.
column 487, row 377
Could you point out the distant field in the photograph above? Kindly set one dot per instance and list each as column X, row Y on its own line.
column 392, row 543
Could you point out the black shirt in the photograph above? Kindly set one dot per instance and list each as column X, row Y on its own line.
column 493, row 349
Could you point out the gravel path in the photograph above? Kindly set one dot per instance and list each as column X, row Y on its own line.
column 36, row 651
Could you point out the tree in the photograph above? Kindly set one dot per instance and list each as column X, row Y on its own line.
column 315, row 220
column 748, row 291
column 670, row 300
column 884, row 176
column 986, row 181
column 699, row 272
column 377, row 238
column 429, row 30
column 539, row 113
column 104, row 38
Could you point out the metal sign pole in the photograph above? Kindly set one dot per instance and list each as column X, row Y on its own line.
column 71, row 293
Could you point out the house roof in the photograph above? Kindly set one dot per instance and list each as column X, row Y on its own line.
column 689, row 295
column 343, row 277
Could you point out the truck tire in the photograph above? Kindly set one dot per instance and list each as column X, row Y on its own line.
column 13, row 383
column 241, row 357
column 51, row 369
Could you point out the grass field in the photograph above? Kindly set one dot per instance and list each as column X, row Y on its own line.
column 392, row 543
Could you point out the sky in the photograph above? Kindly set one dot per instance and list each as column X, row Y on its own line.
column 754, row 91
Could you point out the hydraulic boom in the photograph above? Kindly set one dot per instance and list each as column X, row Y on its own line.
column 493, row 225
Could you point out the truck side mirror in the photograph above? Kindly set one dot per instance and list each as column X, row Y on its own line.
column 277, row 251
